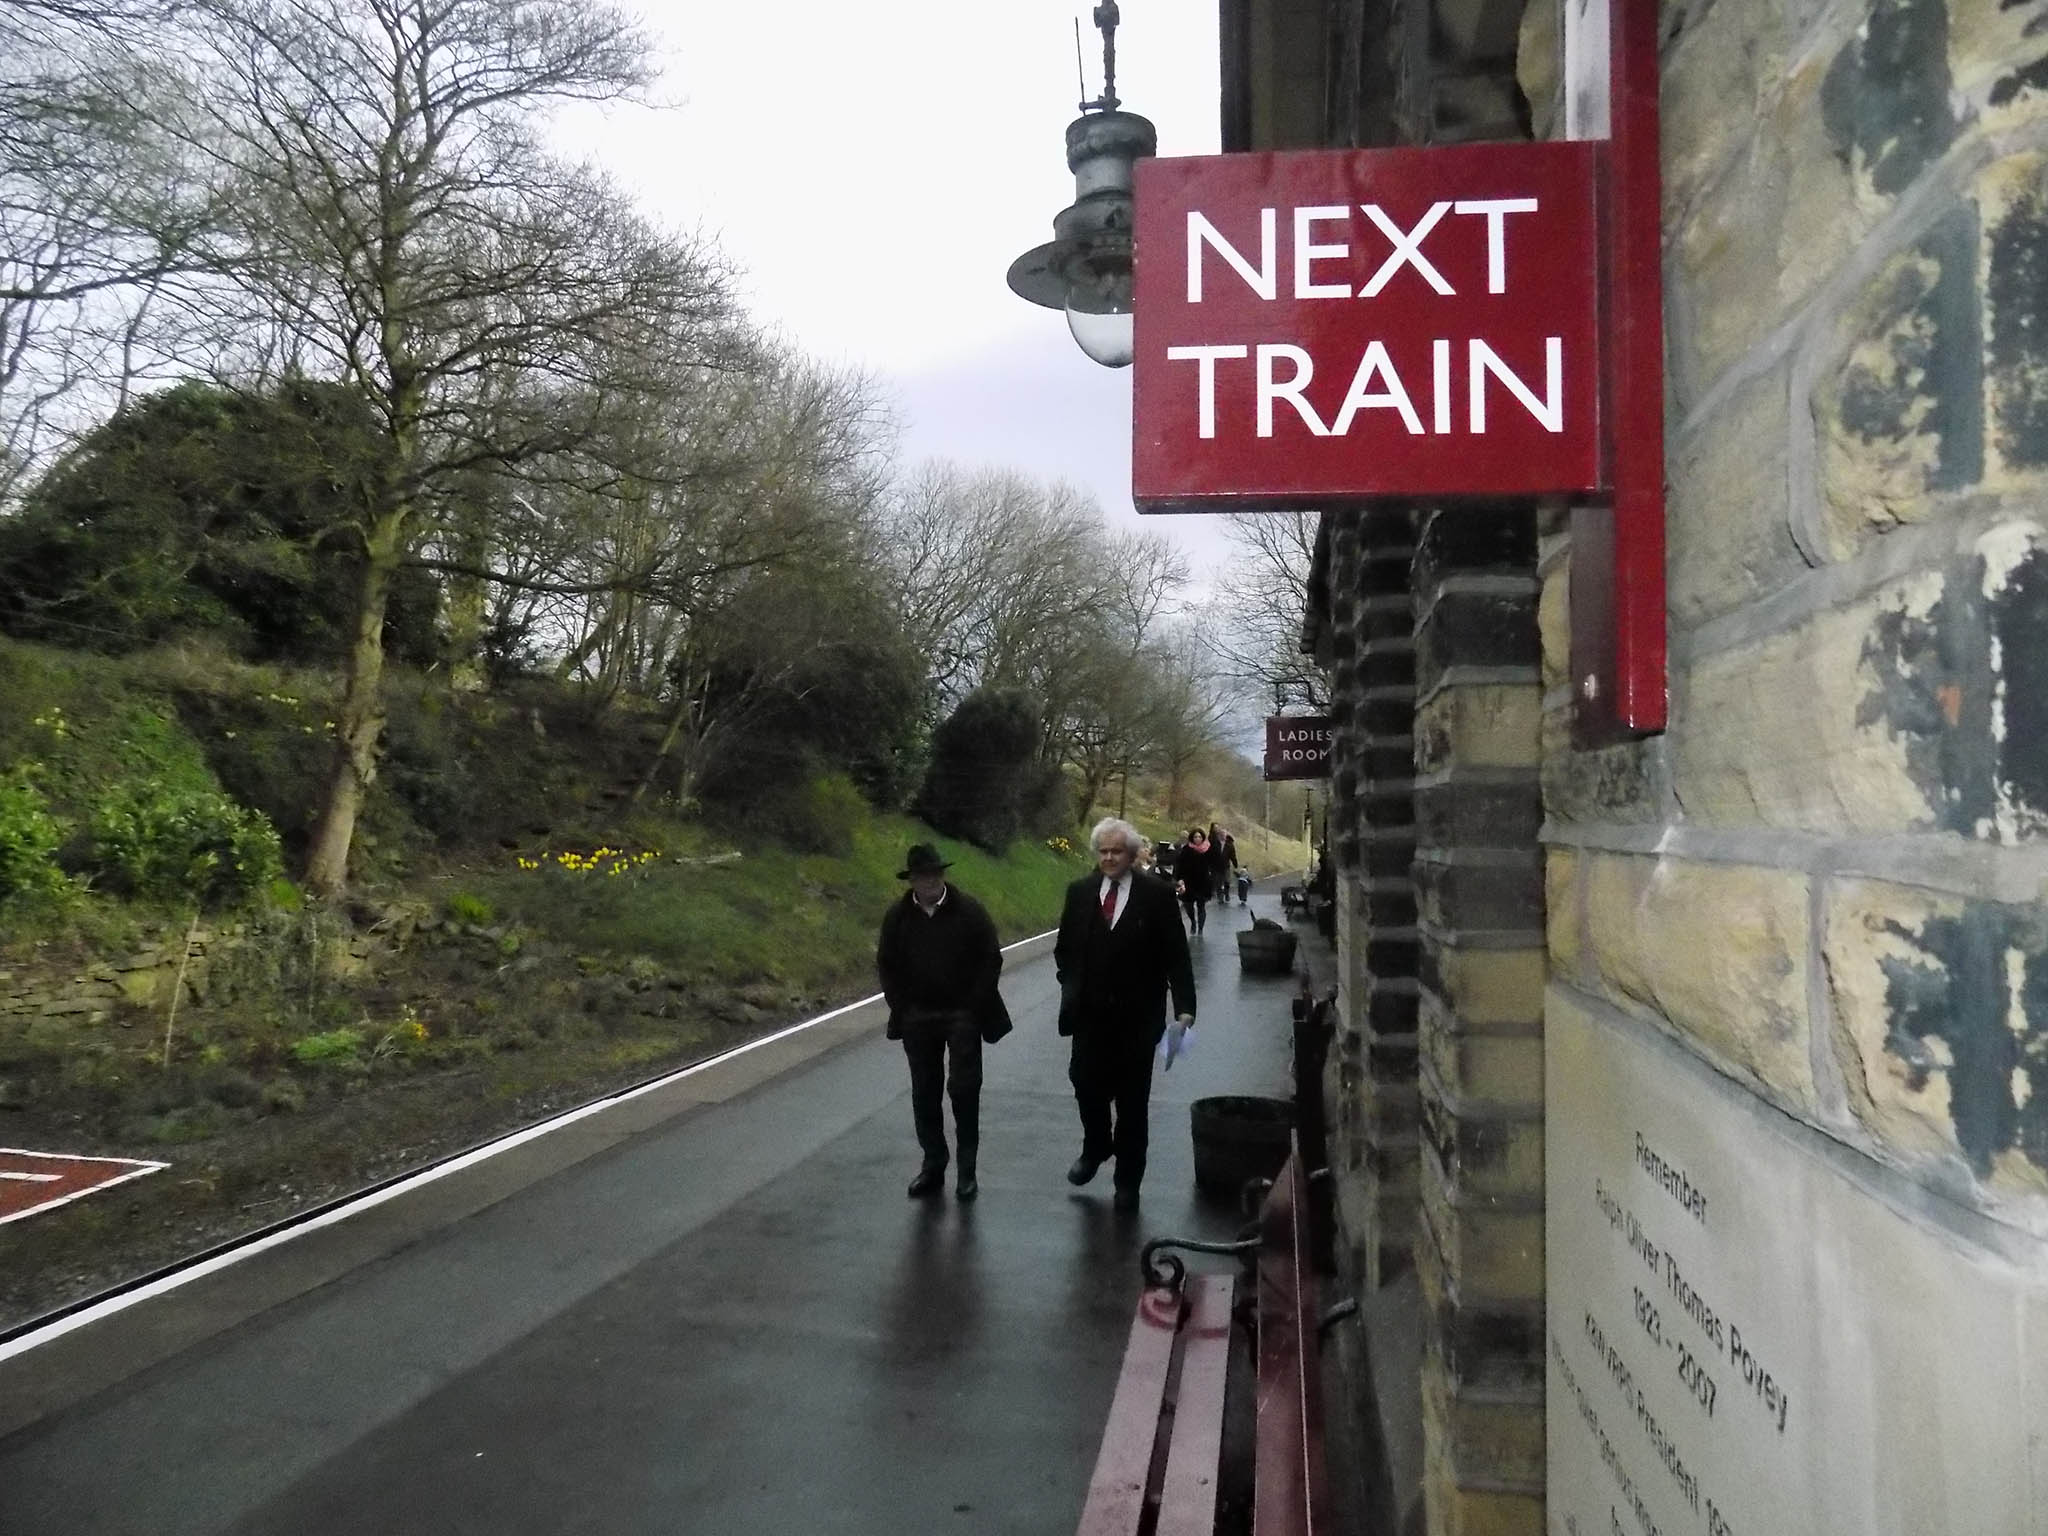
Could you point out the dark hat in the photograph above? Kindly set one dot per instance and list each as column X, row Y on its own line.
column 923, row 859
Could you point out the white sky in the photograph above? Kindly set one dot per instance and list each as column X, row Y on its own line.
column 875, row 167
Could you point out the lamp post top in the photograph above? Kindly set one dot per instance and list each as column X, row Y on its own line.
column 1106, row 18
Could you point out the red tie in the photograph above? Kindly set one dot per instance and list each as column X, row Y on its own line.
column 1109, row 904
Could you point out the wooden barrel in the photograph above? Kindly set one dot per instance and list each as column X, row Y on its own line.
column 1265, row 951
column 1238, row 1138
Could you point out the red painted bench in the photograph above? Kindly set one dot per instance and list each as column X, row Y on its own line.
column 1157, row 1473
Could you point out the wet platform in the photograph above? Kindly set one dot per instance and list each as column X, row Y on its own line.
column 707, row 1308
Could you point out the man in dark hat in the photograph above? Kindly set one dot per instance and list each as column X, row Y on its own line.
column 939, row 963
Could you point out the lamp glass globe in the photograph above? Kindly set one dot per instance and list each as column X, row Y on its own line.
column 1107, row 338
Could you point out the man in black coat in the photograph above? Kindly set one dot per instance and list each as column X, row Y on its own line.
column 1120, row 952
column 939, row 962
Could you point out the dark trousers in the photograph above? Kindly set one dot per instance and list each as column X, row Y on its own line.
column 1111, row 1070
column 944, row 1051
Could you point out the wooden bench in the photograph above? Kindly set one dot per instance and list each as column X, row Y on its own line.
column 1159, row 1470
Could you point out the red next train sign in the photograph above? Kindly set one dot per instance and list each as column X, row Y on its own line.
column 1334, row 326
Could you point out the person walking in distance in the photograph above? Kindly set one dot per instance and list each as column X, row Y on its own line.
column 1223, row 861
column 1195, row 876
column 1121, row 952
column 939, row 963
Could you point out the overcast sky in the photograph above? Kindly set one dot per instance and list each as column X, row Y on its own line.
column 875, row 167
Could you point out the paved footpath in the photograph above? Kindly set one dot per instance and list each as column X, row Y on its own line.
column 708, row 1308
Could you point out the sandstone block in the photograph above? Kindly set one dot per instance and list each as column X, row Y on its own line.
column 2014, row 198
column 1887, row 99
column 1898, row 407
column 1474, row 539
column 1486, row 986
column 1995, row 54
column 1388, row 1109
column 1456, row 892
column 1718, row 949
column 1730, row 538
column 1718, row 78
column 1485, row 1439
column 1758, row 243
column 1487, row 725
column 1483, row 1152
column 1940, row 1026
column 1539, row 62
column 1452, row 1510
column 1847, row 706
column 1503, row 1067
column 1491, row 1257
column 1554, row 624
column 1487, row 622
column 1561, row 909
column 1498, row 1351
column 1493, row 808
column 1626, row 783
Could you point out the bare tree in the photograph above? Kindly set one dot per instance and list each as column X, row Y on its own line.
column 103, row 220
column 1265, row 593
column 410, row 236
column 1187, row 704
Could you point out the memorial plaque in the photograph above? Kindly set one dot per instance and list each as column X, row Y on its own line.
column 1754, row 1331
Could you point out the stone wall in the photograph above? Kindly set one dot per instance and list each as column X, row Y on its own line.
column 1827, row 881
column 1851, row 795
column 1479, row 899
column 144, row 978
column 179, row 961
column 1372, row 1073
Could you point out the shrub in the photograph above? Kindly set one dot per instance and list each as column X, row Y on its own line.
column 154, row 840
column 333, row 1047
column 282, row 1096
column 468, row 907
column 824, row 814
column 986, row 784
column 29, row 839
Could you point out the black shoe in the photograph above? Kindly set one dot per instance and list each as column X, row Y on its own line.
column 1083, row 1169
column 967, row 1188
column 929, row 1181
column 1125, row 1198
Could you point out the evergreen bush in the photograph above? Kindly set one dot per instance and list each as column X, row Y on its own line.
column 986, row 785
column 154, row 840
column 29, row 839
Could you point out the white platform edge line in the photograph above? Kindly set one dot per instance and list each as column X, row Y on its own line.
column 80, row 1157
column 171, row 1282
column 136, row 1170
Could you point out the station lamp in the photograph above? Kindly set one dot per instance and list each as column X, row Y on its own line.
column 1085, row 269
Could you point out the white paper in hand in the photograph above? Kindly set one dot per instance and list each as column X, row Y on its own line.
column 1178, row 1040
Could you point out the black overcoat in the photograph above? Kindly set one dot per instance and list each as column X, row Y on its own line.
column 966, row 938
column 1120, row 978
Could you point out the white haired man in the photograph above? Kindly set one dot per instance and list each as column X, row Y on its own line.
column 1120, row 953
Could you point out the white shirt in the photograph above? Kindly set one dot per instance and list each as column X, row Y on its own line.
column 1123, row 895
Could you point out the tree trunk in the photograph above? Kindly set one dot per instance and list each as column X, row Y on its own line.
column 669, row 738
column 362, row 714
